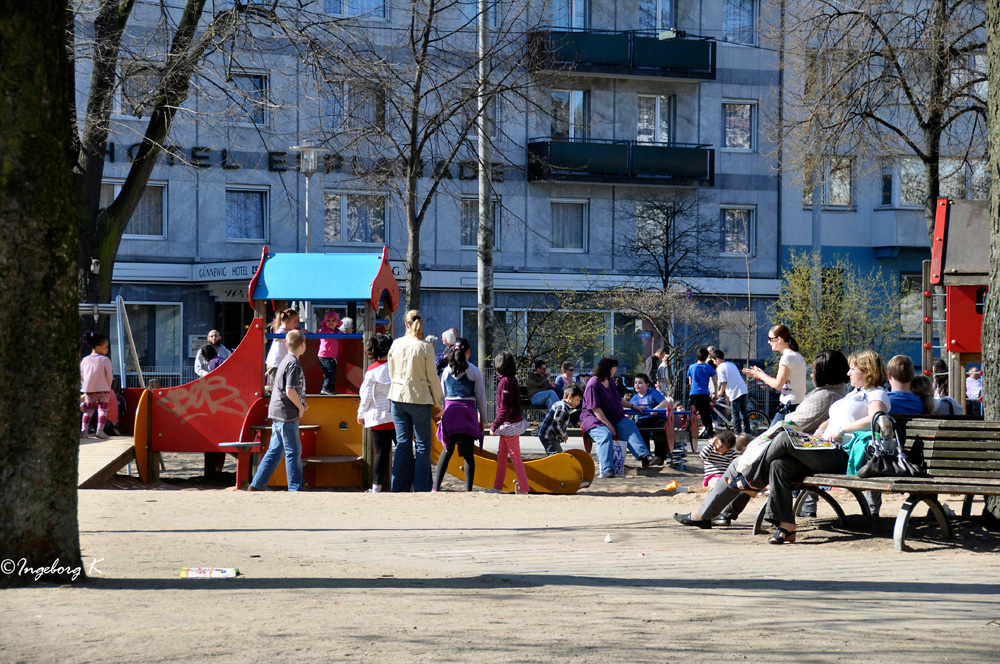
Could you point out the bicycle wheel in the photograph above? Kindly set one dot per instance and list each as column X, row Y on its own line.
column 759, row 422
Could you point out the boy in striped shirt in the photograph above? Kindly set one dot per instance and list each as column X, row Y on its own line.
column 552, row 432
column 717, row 456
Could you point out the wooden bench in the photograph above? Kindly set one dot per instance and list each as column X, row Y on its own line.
column 961, row 456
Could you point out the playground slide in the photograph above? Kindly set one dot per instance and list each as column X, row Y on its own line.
column 562, row 473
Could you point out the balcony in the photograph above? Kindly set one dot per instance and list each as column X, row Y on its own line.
column 620, row 162
column 622, row 54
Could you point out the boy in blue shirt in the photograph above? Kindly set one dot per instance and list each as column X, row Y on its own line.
column 646, row 396
column 700, row 375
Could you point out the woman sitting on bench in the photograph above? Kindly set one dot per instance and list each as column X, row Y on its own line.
column 783, row 464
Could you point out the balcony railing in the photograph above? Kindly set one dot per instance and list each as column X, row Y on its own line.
column 628, row 53
column 620, row 162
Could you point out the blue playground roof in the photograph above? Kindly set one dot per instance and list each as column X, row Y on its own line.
column 341, row 277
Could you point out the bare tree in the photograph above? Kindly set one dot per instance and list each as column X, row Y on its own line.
column 412, row 101
column 876, row 80
column 669, row 243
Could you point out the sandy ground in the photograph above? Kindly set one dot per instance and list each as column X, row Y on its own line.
column 456, row 577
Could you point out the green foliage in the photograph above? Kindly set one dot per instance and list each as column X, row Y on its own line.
column 851, row 309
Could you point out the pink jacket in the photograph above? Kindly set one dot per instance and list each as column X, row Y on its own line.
column 95, row 373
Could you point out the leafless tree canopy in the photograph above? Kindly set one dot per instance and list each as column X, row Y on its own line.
column 880, row 79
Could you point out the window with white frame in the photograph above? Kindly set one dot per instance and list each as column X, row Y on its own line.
column 569, row 225
column 246, row 214
column 656, row 14
column 739, row 21
column 837, row 184
column 137, row 95
column 470, row 222
column 738, row 230
column 470, row 12
column 249, row 99
column 570, row 13
column 904, row 180
column 373, row 9
column 655, row 122
column 147, row 220
column 493, row 110
column 355, row 218
column 570, row 114
column 353, row 106
column 739, row 125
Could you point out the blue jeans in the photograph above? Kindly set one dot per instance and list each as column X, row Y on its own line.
column 284, row 440
column 411, row 466
column 741, row 414
column 547, row 397
column 627, row 431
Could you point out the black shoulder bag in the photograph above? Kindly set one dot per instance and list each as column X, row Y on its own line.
column 885, row 455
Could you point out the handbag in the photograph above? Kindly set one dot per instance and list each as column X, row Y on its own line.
column 885, row 455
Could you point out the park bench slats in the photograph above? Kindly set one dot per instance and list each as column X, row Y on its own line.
column 931, row 443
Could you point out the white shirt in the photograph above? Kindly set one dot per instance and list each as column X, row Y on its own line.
column 794, row 390
column 726, row 372
column 855, row 406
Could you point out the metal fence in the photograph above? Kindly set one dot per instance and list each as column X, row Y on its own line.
column 168, row 376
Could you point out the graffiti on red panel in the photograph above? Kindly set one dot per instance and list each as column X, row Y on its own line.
column 207, row 396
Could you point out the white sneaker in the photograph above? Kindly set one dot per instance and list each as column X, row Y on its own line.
column 607, row 475
column 491, row 491
column 103, row 436
column 84, row 434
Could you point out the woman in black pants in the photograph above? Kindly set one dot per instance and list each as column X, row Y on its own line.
column 374, row 410
column 464, row 411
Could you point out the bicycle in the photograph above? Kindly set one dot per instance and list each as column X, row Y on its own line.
column 759, row 421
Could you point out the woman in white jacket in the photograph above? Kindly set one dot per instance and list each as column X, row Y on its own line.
column 374, row 411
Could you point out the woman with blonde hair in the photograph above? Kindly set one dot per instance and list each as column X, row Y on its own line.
column 783, row 464
column 415, row 395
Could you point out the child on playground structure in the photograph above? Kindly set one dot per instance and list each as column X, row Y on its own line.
column 553, row 430
column 374, row 410
column 464, row 413
column 700, row 375
column 284, row 322
column 287, row 405
column 328, row 350
column 717, row 456
column 649, row 397
column 509, row 423
column 95, row 383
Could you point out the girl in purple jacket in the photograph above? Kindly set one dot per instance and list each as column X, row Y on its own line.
column 509, row 423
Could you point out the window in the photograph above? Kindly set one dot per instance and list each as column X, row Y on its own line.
column 739, row 125
column 355, row 218
column 493, row 107
column 156, row 330
column 736, row 340
column 470, row 222
column 569, row 225
column 653, row 221
column 570, row 114
column 360, row 8
column 656, row 114
column 137, row 96
column 739, row 21
column 738, row 230
column 246, row 214
column 147, row 220
column 249, row 97
column 570, row 13
column 656, row 15
column 470, row 12
column 353, row 106
column 958, row 179
column 837, row 185
column 911, row 305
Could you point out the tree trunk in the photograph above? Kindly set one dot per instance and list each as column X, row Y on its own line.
column 412, row 251
column 39, row 416
column 991, row 317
